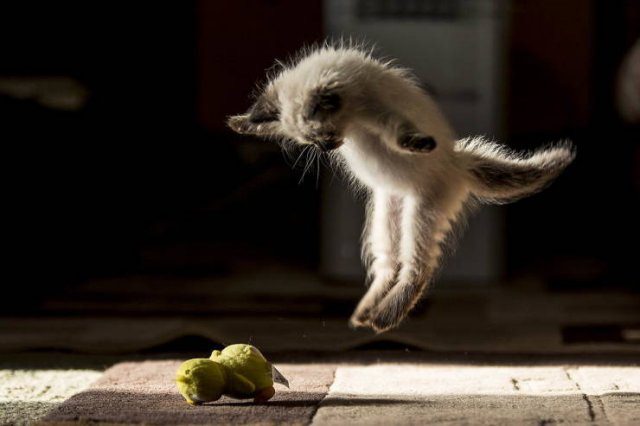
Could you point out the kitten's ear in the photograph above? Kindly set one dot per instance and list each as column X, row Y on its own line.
column 324, row 102
column 245, row 125
column 263, row 111
column 240, row 124
column 261, row 119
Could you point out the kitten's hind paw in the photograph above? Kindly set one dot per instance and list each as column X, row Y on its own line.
column 383, row 321
column 396, row 305
column 360, row 320
column 417, row 142
column 361, row 317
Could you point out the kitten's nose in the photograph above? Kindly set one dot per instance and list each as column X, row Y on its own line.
column 324, row 146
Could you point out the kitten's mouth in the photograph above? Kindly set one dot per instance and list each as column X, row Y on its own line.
column 326, row 145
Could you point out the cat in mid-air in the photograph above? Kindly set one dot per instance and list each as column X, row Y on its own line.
column 388, row 134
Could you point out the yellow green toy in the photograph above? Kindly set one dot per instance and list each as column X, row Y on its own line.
column 239, row 371
column 201, row 380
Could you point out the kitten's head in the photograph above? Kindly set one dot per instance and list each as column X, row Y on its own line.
column 309, row 102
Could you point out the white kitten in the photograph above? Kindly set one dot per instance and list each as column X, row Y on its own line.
column 391, row 137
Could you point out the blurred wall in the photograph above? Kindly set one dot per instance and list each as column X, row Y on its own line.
column 550, row 65
column 562, row 67
column 238, row 41
column 457, row 50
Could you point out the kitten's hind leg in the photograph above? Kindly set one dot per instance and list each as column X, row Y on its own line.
column 380, row 253
column 422, row 231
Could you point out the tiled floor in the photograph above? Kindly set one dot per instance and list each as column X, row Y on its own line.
column 357, row 388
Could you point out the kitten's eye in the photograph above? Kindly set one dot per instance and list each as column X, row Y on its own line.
column 329, row 102
column 324, row 103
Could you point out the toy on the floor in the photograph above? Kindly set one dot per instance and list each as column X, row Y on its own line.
column 201, row 380
column 239, row 371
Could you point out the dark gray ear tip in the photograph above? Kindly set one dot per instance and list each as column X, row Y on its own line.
column 238, row 123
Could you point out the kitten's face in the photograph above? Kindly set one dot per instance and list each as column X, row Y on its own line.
column 304, row 104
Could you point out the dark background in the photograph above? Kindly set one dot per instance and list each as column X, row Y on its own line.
column 145, row 178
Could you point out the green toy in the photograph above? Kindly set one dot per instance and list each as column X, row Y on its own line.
column 201, row 380
column 239, row 371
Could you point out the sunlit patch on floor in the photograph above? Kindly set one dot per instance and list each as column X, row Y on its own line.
column 26, row 395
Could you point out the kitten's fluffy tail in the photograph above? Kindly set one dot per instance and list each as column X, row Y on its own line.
column 499, row 175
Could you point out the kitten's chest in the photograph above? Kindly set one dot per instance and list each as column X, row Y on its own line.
column 376, row 166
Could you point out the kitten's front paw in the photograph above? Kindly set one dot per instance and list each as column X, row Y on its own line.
column 416, row 142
